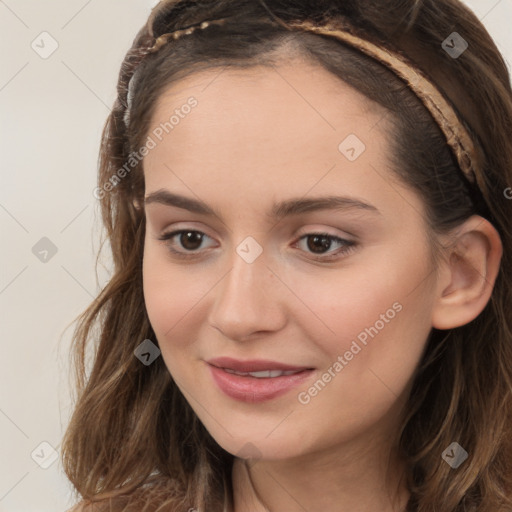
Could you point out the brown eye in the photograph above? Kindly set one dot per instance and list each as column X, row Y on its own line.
column 189, row 241
column 317, row 243
column 320, row 243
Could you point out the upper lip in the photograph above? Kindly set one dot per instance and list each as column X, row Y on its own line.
column 253, row 365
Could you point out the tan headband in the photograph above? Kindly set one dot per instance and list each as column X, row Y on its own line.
column 160, row 41
column 455, row 133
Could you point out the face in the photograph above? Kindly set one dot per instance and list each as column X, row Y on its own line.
column 269, row 270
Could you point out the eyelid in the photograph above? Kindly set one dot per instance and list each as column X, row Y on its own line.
column 350, row 237
column 303, row 231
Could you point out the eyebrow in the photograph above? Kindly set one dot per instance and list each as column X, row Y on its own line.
column 279, row 210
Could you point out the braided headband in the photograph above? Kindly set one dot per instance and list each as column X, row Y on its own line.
column 456, row 135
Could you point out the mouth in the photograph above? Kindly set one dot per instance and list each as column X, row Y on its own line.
column 255, row 384
column 265, row 374
column 258, row 368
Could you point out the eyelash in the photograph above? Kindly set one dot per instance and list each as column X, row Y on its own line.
column 349, row 245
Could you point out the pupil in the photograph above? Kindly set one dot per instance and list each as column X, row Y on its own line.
column 325, row 243
column 191, row 237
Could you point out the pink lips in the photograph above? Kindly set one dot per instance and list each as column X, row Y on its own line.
column 253, row 389
column 253, row 365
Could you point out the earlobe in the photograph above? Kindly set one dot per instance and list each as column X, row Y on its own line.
column 469, row 270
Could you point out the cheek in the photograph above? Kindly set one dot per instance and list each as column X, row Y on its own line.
column 169, row 296
column 372, row 329
column 177, row 298
column 171, row 291
column 172, row 296
column 351, row 301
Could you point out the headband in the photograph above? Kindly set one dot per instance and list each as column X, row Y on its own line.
column 457, row 136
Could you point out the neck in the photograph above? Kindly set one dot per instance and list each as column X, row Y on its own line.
column 332, row 481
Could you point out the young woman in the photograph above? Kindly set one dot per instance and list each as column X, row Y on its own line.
column 308, row 206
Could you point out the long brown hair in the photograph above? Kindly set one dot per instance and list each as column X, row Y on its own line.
column 133, row 438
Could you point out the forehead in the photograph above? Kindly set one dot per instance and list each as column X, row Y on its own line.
column 266, row 92
column 278, row 131
column 282, row 106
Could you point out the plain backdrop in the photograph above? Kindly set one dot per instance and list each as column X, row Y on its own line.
column 53, row 107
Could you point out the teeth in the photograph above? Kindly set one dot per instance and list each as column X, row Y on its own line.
column 265, row 374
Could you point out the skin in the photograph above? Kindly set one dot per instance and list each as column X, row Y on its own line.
column 264, row 135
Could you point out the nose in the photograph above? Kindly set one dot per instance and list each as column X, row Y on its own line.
column 249, row 300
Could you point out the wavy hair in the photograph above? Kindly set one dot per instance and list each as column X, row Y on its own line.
column 133, row 442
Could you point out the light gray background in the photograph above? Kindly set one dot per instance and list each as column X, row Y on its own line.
column 53, row 111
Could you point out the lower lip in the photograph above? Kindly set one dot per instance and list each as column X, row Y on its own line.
column 255, row 390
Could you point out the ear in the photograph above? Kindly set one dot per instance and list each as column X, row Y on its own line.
column 136, row 204
column 467, row 273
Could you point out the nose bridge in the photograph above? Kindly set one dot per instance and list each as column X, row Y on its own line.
column 245, row 300
column 248, row 274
